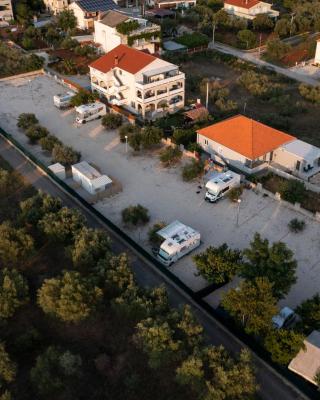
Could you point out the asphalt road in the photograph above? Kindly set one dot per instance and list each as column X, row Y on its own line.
column 272, row 385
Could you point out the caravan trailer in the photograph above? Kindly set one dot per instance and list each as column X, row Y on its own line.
column 179, row 240
column 89, row 112
column 63, row 100
column 220, row 185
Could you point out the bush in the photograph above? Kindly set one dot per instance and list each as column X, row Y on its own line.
column 135, row 215
column 127, row 27
column 192, row 40
column 128, row 130
column 235, row 193
column 310, row 93
column 170, row 156
column 48, row 142
column 154, row 238
column 276, row 49
column 247, row 38
column 192, row 170
column 36, row 132
column 65, row 155
column 111, row 121
column 83, row 97
column 256, row 84
column 292, row 190
column 296, row 225
column 184, row 136
column 25, row 120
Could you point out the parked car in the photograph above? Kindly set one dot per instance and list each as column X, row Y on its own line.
column 284, row 319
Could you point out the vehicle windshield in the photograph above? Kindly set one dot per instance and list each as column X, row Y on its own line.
column 163, row 254
column 213, row 193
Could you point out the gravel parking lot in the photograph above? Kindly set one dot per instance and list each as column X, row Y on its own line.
column 162, row 191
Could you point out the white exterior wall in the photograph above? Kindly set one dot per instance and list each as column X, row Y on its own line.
column 105, row 35
column 83, row 180
column 250, row 13
column 7, row 14
column 82, row 22
column 288, row 160
column 56, row 6
column 317, row 56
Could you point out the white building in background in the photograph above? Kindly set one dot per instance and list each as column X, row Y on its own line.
column 89, row 178
column 87, row 11
column 140, row 82
column 317, row 55
column 146, row 36
column 6, row 13
column 56, row 6
column 249, row 9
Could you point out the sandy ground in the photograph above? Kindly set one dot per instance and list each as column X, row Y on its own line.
column 163, row 192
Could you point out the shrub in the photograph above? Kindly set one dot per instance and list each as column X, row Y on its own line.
column 192, row 40
column 25, row 120
column 256, row 84
column 170, row 156
column 134, row 140
column 135, row 215
column 296, row 225
column 310, row 93
column 235, row 193
column 128, row 130
column 36, row 132
column 154, row 238
column 111, row 121
column 48, row 142
column 127, row 27
column 276, row 49
column 184, row 136
column 192, row 170
column 292, row 190
column 247, row 38
column 65, row 155
column 83, row 97
column 150, row 136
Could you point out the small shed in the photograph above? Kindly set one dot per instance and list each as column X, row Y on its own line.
column 89, row 178
column 59, row 170
column 307, row 362
column 199, row 113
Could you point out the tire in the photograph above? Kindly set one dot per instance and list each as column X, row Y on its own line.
column 84, row 122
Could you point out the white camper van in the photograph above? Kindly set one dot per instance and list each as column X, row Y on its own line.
column 63, row 100
column 218, row 186
column 179, row 240
column 88, row 112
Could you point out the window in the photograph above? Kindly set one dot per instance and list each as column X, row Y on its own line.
column 298, row 165
column 206, row 142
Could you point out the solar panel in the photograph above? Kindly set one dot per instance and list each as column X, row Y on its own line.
column 97, row 5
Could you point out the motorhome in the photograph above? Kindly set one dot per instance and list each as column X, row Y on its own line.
column 179, row 240
column 63, row 100
column 219, row 186
column 88, row 112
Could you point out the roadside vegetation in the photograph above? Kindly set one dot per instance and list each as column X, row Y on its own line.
column 74, row 321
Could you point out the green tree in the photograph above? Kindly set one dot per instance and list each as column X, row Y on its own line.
column 252, row 305
column 213, row 374
column 65, row 155
column 34, row 208
column 274, row 262
column 66, row 20
column 135, row 215
column 135, row 141
column 310, row 93
column 48, row 142
column 283, row 345
column 247, row 38
column 6, row 395
column 13, row 292
column 8, row 369
column 83, row 97
column 70, row 297
column 62, row 226
column 192, row 170
column 90, row 245
column 184, row 136
column 292, row 190
column 154, row 238
column 170, row 156
column 276, row 49
column 16, row 246
column 36, row 132
column 309, row 312
column 128, row 130
column 262, row 22
column 111, row 121
column 54, row 369
column 68, row 67
column 150, row 136
column 282, row 27
column 218, row 264
column 25, row 120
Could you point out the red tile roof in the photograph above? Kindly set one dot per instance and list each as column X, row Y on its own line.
column 126, row 58
column 243, row 3
column 245, row 136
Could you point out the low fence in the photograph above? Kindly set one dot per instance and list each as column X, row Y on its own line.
column 186, row 153
column 288, row 377
column 25, row 75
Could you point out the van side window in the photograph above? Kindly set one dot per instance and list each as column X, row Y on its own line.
column 225, row 189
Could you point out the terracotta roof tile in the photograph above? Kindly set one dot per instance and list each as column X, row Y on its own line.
column 246, row 136
column 129, row 59
column 243, row 3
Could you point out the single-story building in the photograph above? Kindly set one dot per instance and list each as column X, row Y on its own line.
column 249, row 9
column 307, row 362
column 59, row 170
column 89, row 178
column 242, row 142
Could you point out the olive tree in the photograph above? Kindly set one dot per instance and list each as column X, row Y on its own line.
column 14, row 292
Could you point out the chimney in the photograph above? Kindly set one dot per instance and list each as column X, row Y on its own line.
column 99, row 15
column 116, row 61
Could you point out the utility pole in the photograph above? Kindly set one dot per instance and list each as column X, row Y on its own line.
column 260, row 39
column 207, row 97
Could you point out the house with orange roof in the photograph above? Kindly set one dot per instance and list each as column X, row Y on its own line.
column 249, row 9
column 138, row 81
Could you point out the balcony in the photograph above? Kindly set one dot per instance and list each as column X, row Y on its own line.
column 161, row 81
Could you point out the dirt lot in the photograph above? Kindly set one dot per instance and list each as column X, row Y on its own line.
column 162, row 191
column 302, row 123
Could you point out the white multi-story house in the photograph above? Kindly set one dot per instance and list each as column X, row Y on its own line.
column 136, row 32
column 249, row 9
column 140, row 82
column 172, row 4
column 56, row 6
column 317, row 55
column 6, row 13
column 88, row 11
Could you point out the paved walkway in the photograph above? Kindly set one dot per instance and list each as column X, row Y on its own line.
column 254, row 58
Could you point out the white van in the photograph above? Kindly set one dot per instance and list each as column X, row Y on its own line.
column 88, row 112
column 63, row 100
column 219, row 186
